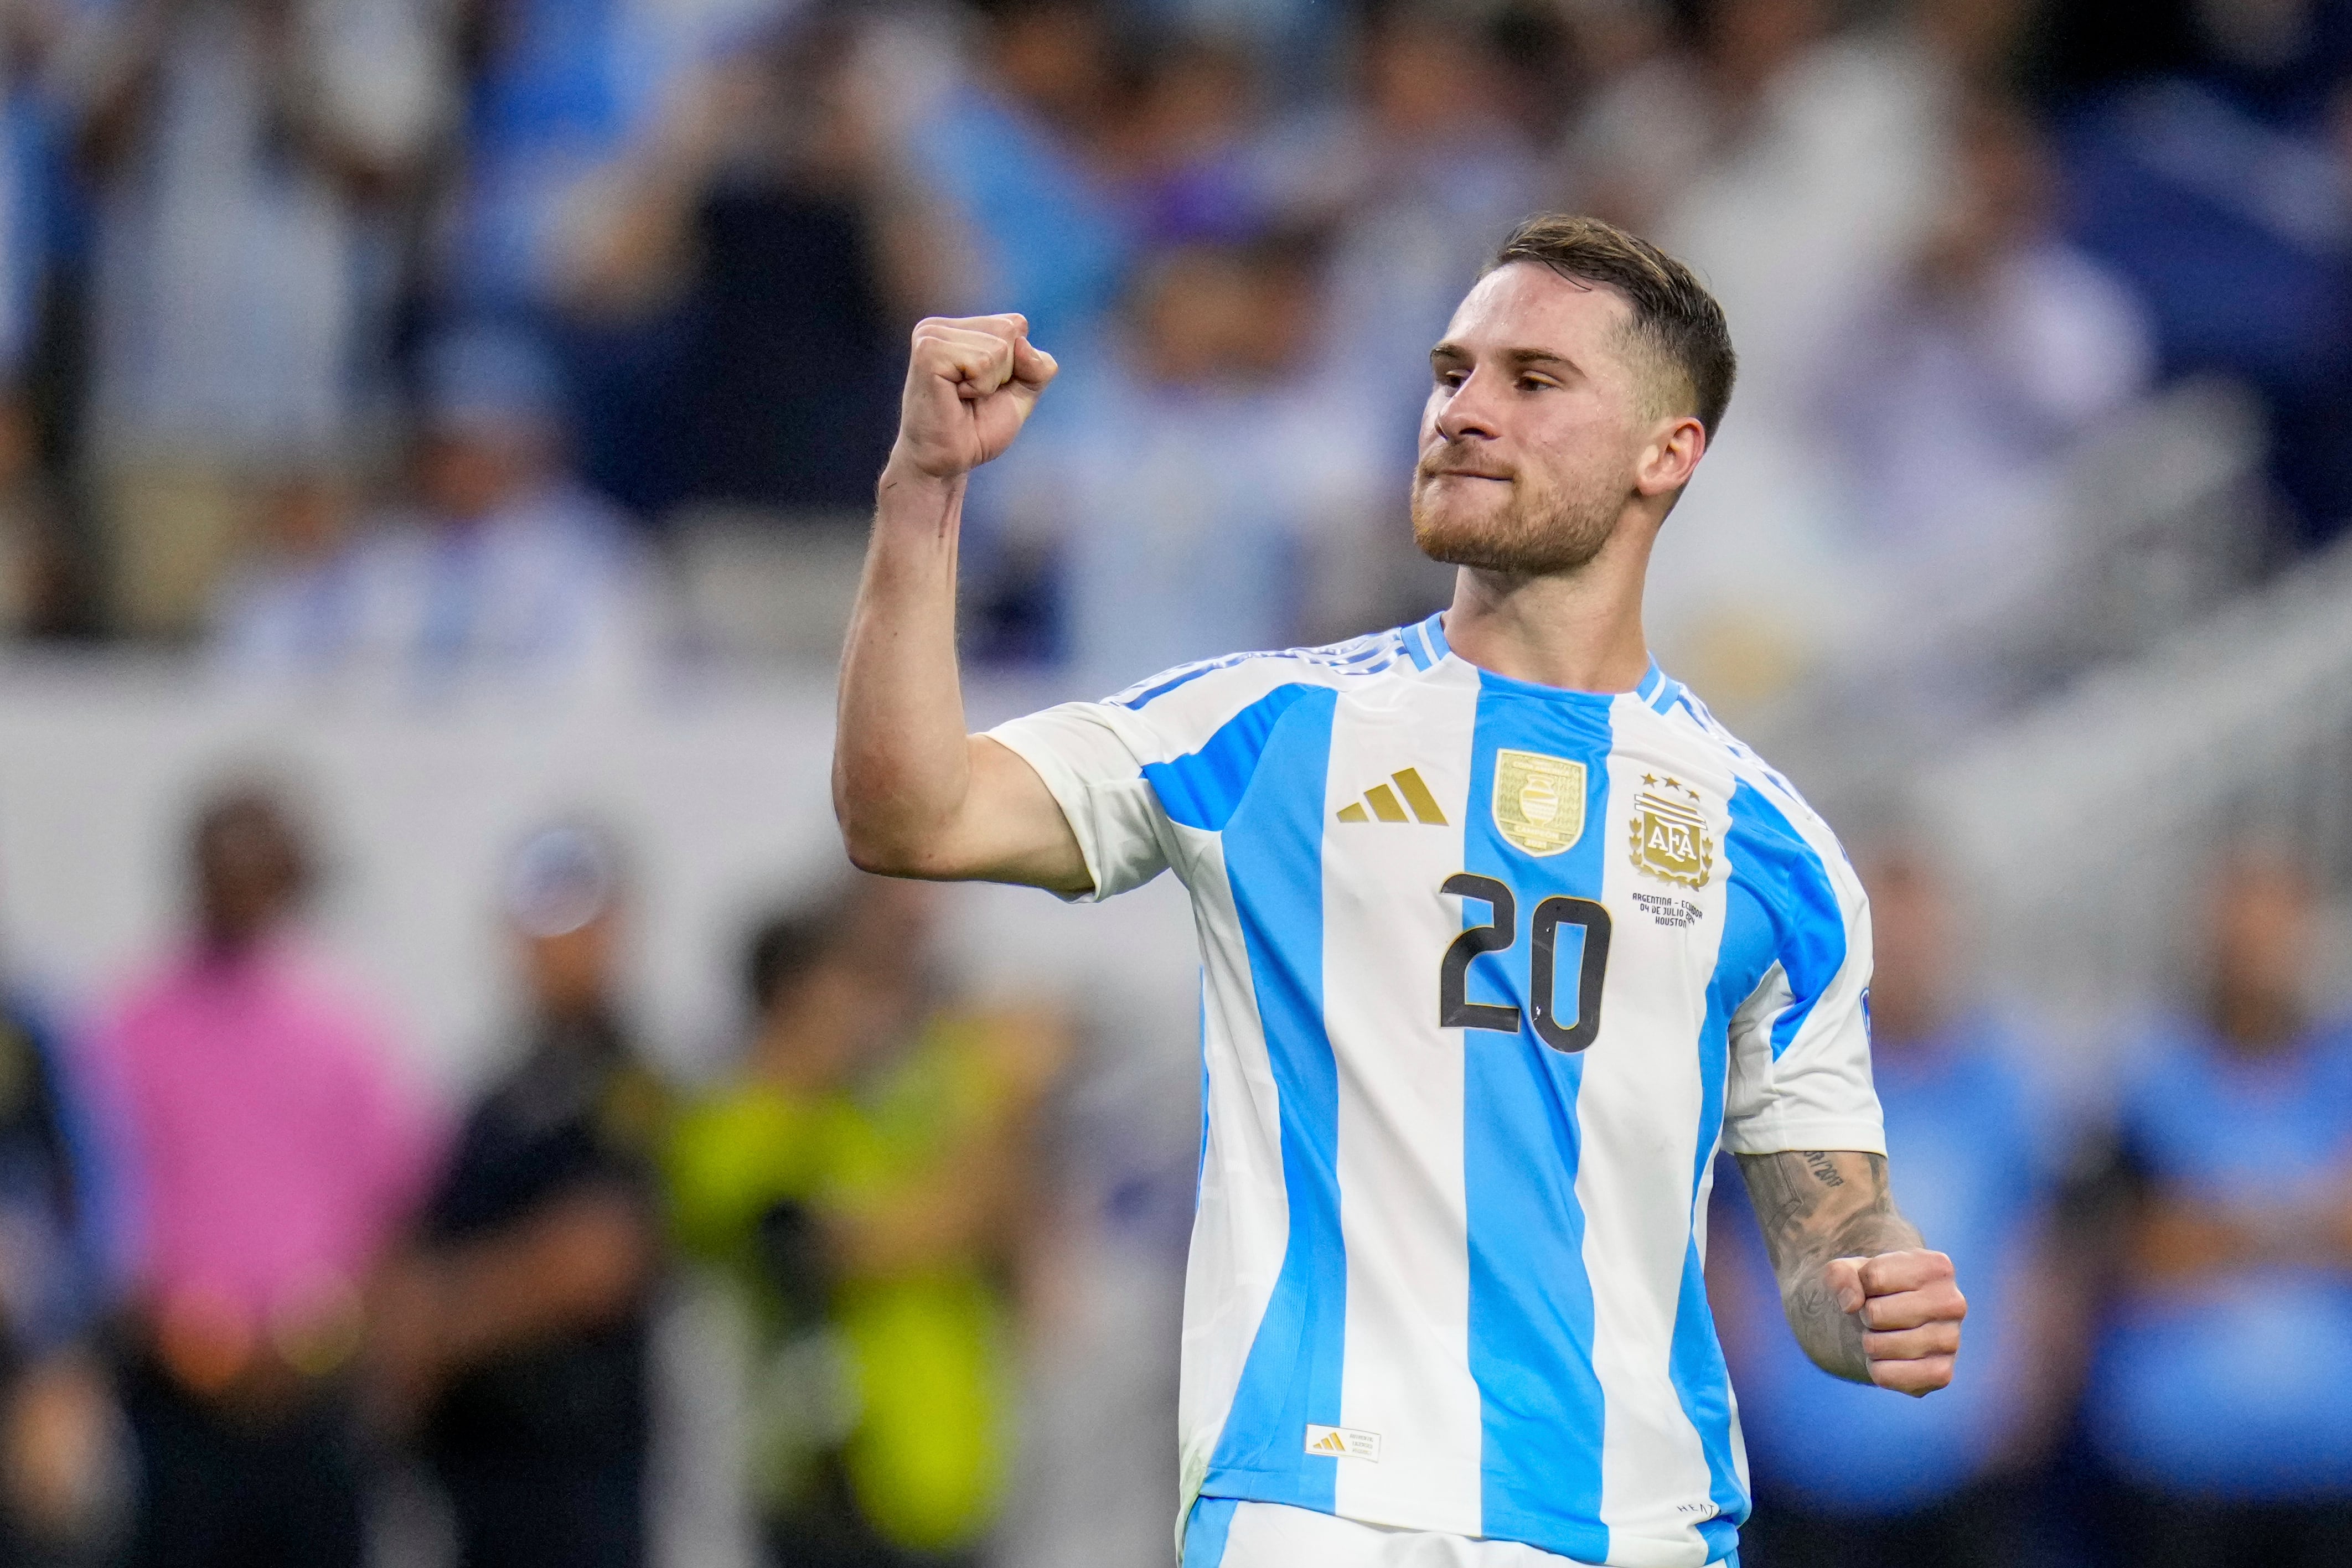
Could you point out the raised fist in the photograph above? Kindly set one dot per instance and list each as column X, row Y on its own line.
column 970, row 384
column 1910, row 1309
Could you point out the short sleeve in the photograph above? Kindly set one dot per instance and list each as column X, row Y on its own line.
column 1191, row 735
column 1799, row 1044
column 1091, row 757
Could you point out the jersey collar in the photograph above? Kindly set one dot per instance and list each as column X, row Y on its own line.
column 1425, row 644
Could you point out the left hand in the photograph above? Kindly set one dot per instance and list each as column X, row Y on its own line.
column 1910, row 1310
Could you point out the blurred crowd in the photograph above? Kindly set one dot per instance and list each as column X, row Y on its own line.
column 380, row 340
column 399, row 347
column 264, row 1301
column 252, row 1275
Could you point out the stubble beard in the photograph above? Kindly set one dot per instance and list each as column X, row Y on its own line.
column 1536, row 533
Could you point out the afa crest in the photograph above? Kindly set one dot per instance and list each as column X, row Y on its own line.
column 1539, row 801
column 1670, row 836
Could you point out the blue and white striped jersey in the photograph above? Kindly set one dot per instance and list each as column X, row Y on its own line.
column 1491, row 970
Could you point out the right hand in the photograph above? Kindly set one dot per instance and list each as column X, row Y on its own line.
column 970, row 384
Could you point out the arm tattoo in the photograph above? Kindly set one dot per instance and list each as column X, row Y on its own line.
column 1815, row 1204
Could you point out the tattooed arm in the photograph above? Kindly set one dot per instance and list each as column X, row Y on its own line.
column 1867, row 1301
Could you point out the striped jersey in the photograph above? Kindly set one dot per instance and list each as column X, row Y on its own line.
column 1490, row 972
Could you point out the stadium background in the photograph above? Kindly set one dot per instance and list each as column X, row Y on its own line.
column 460, row 415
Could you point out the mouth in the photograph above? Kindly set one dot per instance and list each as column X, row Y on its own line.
column 1465, row 474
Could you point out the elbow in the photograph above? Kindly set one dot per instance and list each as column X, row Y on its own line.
column 885, row 832
column 869, row 852
column 876, row 848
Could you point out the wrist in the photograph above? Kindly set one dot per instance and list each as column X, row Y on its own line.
column 904, row 478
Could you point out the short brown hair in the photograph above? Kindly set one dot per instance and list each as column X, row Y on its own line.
column 1674, row 315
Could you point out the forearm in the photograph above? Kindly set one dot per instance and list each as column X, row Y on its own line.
column 902, row 759
column 915, row 794
column 1815, row 1208
column 581, row 1264
column 954, row 1215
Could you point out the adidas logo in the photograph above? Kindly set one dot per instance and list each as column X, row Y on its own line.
column 1381, row 804
column 1343, row 1443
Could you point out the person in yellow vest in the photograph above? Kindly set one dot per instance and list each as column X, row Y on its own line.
column 865, row 1182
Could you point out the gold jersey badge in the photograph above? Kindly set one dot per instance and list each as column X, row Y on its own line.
column 1670, row 836
column 1539, row 801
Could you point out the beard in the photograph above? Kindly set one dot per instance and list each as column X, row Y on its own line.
column 1528, row 528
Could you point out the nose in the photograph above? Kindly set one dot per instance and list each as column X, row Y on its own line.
column 1467, row 410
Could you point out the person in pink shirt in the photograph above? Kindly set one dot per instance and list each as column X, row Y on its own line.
column 275, row 1157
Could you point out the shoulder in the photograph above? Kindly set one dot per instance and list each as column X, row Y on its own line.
column 1187, row 706
column 1243, row 696
column 1771, row 821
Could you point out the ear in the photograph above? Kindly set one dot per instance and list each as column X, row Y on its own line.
column 1675, row 448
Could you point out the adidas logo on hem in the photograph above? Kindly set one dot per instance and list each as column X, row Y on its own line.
column 1343, row 1443
column 1381, row 804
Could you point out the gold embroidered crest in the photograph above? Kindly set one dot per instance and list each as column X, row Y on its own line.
column 1539, row 801
column 1670, row 836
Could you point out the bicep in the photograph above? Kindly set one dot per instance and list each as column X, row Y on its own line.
column 1009, row 828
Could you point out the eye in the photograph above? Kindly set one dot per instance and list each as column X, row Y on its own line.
column 1530, row 382
column 1451, row 380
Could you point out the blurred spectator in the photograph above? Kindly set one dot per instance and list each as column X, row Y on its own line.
column 562, row 98
column 1941, row 1482
column 2208, row 159
column 506, row 569
column 243, row 154
column 770, row 209
column 274, row 1157
column 1420, row 172
column 517, row 1331
column 2232, row 1231
column 62, row 1472
column 1991, row 354
column 35, row 571
column 1188, row 143
column 1200, row 494
column 866, row 1186
column 557, row 94
column 1298, row 41
column 1793, row 162
column 1024, row 158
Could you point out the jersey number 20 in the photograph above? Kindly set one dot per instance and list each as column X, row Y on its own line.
column 1499, row 934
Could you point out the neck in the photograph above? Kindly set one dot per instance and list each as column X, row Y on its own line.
column 1580, row 630
column 2257, row 1023
column 801, row 1054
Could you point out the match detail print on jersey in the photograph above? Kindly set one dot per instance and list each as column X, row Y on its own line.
column 1467, row 1061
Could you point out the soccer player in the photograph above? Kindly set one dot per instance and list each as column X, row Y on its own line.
column 1503, row 935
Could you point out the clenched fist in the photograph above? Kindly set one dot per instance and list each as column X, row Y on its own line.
column 1910, row 1310
column 970, row 384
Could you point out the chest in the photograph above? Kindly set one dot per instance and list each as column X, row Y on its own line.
column 1480, row 877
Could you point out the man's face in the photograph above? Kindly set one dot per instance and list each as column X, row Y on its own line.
column 570, row 972
column 1535, row 426
column 248, row 871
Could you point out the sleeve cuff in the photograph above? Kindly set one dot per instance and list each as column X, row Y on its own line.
column 1779, row 1134
column 1069, row 792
